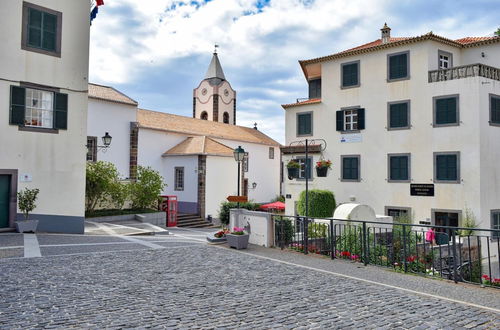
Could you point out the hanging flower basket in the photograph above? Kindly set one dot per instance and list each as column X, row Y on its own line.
column 321, row 171
column 322, row 168
column 293, row 168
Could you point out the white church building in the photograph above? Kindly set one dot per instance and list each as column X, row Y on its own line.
column 194, row 155
column 412, row 126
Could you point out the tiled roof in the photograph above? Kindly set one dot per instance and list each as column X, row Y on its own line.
column 472, row 40
column 107, row 93
column 192, row 126
column 310, row 101
column 200, row 145
column 395, row 42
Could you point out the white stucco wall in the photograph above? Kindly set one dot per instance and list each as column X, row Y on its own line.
column 115, row 118
column 221, row 176
column 56, row 162
column 190, row 164
column 422, row 140
column 263, row 171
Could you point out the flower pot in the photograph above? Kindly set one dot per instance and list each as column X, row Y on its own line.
column 26, row 226
column 237, row 241
column 293, row 172
column 321, row 171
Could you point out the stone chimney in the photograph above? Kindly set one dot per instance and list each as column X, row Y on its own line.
column 386, row 34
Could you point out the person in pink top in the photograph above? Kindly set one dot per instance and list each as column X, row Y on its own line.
column 430, row 236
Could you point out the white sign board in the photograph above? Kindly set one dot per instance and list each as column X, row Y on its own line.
column 351, row 138
column 25, row 177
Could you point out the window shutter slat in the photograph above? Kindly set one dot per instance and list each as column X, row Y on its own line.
column 17, row 105
column 340, row 120
column 61, row 111
column 361, row 118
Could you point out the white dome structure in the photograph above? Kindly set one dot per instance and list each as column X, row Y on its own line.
column 353, row 211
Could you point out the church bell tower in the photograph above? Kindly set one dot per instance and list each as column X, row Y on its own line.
column 214, row 99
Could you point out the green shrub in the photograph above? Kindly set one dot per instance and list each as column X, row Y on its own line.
column 145, row 192
column 102, row 182
column 317, row 230
column 226, row 206
column 278, row 198
column 26, row 200
column 288, row 229
column 469, row 221
column 321, row 203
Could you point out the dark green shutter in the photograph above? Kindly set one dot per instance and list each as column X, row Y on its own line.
column 495, row 110
column 446, row 111
column 398, row 66
column 61, row 111
column 446, row 168
column 304, row 124
column 34, row 28
column 17, row 105
column 340, row 120
column 49, row 32
column 399, row 168
column 350, row 168
column 398, row 115
column 361, row 118
column 350, row 75
column 315, row 89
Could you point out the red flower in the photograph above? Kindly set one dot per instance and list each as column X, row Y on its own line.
column 486, row 277
column 411, row 258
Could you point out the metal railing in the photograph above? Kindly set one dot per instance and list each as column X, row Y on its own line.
column 464, row 71
column 455, row 253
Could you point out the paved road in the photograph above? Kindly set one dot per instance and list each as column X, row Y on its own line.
column 176, row 281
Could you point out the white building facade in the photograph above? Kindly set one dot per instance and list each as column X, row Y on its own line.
column 412, row 127
column 43, row 93
column 194, row 155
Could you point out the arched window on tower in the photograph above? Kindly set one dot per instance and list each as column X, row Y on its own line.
column 226, row 118
column 204, row 115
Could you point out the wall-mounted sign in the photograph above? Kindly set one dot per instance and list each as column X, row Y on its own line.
column 288, row 196
column 351, row 138
column 422, row 189
column 25, row 177
column 237, row 199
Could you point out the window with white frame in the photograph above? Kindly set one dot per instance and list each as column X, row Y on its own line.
column 445, row 60
column 39, row 108
column 179, row 179
column 350, row 120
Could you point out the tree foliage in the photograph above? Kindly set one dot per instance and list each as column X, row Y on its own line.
column 102, row 185
column 226, row 206
column 145, row 192
column 26, row 200
column 321, row 203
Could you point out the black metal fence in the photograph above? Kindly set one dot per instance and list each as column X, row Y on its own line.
column 455, row 253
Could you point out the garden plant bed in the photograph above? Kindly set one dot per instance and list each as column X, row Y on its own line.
column 114, row 212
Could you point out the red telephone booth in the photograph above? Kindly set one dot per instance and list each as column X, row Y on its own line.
column 169, row 205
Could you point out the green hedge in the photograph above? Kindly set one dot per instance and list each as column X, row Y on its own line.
column 321, row 203
column 226, row 206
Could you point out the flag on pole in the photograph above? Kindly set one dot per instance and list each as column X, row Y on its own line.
column 93, row 14
column 99, row 3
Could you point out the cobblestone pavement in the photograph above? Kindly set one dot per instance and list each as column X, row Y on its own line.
column 198, row 286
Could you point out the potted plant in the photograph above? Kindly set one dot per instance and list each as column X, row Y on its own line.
column 219, row 236
column 322, row 167
column 26, row 199
column 238, row 238
column 293, row 168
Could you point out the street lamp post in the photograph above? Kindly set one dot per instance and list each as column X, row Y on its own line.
column 306, row 143
column 239, row 154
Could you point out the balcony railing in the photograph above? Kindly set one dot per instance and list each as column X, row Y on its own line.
column 465, row 71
